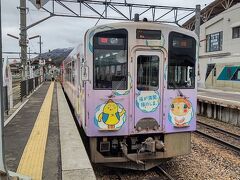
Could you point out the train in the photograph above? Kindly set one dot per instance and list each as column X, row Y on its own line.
column 133, row 89
column 224, row 76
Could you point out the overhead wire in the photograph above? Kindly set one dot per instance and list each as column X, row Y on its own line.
column 32, row 46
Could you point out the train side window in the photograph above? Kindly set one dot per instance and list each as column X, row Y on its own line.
column 147, row 73
column 236, row 75
column 110, row 60
column 112, row 69
column 181, row 61
column 68, row 72
column 73, row 72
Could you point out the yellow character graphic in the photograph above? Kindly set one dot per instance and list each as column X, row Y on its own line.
column 111, row 115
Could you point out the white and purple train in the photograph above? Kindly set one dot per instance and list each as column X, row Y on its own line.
column 133, row 89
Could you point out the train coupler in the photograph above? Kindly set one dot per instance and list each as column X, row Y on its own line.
column 151, row 145
column 124, row 149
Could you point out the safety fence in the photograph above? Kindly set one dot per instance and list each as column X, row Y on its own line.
column 36, row 82
column 5, row 99
column 29, row 85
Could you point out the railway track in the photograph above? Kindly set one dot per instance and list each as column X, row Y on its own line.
column 163, row 172
column 226, row 138
column 117, row 174
column 219, row 129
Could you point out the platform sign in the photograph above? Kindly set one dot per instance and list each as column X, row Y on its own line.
column 38, row 3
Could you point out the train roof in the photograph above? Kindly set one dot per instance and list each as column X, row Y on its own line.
column 151, row 25
column 129, row 25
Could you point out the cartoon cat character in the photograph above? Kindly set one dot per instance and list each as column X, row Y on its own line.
column 111, row 115
column 181, row 112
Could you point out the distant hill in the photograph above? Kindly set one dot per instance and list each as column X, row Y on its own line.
column 57, row 55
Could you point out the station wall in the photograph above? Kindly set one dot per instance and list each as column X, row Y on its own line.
column 220, row 49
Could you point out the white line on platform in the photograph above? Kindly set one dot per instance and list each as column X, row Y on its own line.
column 15, row 112
column 219, row 99
column 202, row 90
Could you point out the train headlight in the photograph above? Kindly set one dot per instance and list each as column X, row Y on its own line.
column 114, row 144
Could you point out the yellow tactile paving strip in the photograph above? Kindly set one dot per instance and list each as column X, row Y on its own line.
column 31, row 163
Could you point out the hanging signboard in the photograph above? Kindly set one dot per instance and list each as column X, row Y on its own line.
column 38, row 3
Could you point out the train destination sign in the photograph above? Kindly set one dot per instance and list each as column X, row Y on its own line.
column 148, row 34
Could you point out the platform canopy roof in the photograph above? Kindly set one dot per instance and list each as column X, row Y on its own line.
column 210, row 11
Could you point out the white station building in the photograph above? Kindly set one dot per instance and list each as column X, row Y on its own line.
column 219, row 52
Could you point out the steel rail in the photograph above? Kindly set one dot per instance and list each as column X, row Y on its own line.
column 117, row 174
column 164, row 172
column 219, row 129
column 233, row 147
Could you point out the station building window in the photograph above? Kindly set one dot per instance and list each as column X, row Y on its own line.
column 214, row 42
column 236, row 32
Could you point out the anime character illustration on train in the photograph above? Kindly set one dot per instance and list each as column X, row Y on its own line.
column 111, row 114
column 181, row 112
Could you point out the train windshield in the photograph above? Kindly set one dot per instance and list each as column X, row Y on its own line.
column 181, row 61
column 110, row 60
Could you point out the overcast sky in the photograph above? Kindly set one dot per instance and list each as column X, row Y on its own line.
column 59, row 32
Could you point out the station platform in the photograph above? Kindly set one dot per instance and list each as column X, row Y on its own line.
column 219, row 97
column 42, row 140
column 220, row 105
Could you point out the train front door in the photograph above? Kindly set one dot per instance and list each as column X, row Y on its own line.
column 148, row 87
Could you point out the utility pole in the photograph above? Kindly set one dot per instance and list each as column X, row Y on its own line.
column 23, row 36
column 198, row 20
column 23, row 40
column 40, row 45
column 197, row 31
column 29, row 54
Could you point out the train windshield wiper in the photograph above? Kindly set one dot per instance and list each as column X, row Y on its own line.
column 117, row 87
column 175, row 86
column 119, row 83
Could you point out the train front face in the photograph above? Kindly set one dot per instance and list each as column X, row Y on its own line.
column 140, row 94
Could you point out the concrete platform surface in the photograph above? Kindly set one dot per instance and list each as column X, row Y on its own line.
column 62, row 154
column 75, row 161
column 227, row 99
